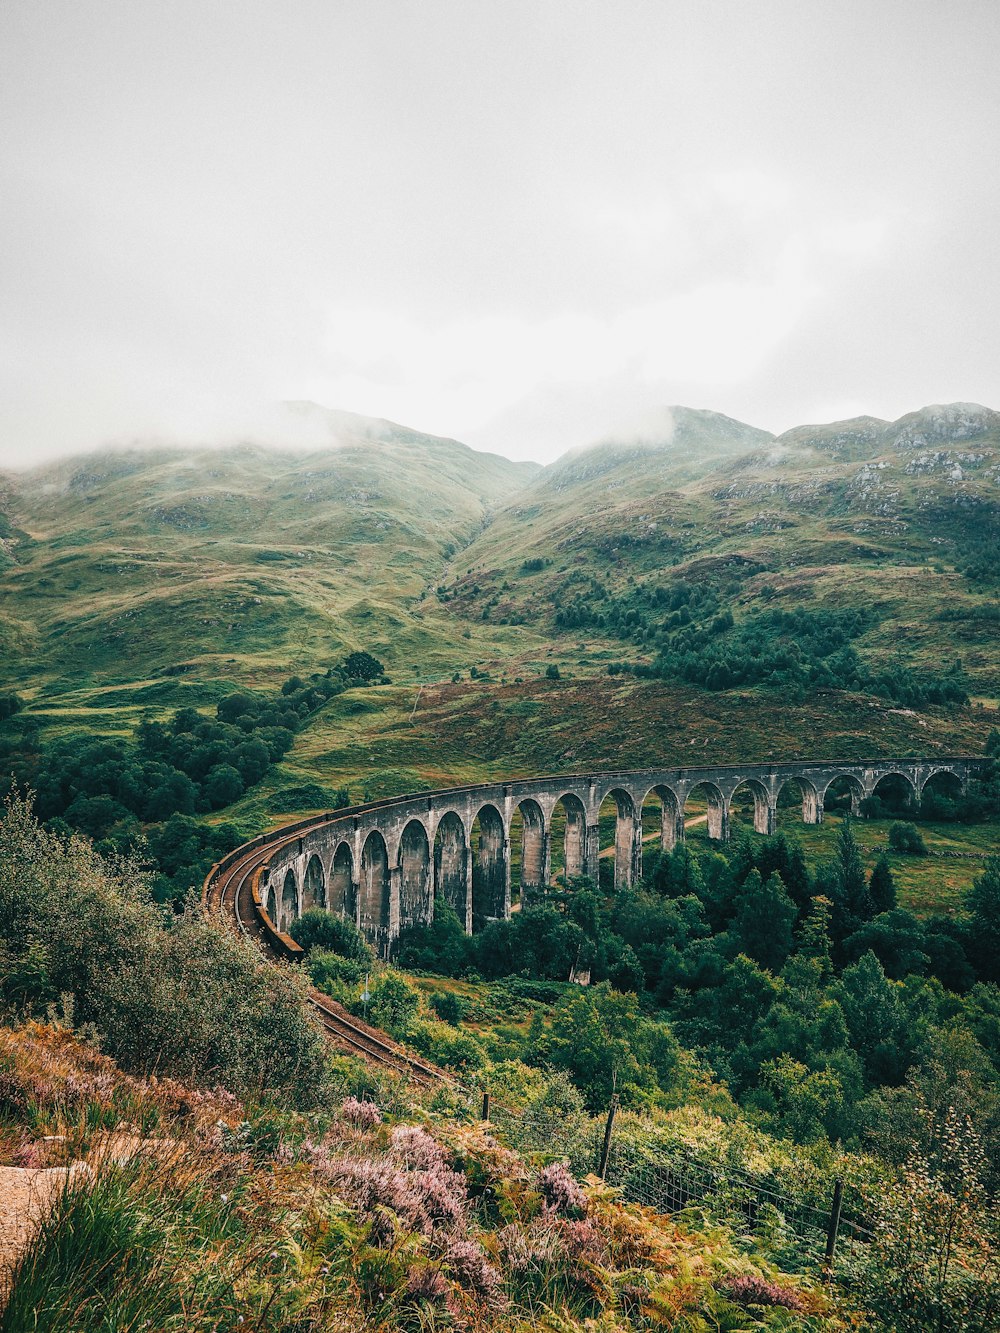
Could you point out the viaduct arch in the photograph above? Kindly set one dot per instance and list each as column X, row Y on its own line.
column 384, row 864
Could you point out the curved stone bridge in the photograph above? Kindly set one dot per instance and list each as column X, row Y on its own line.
column 383, row 864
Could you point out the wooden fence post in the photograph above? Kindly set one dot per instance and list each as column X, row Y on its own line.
column 834, row 1224
column 608, row 1129
column 486, row 1107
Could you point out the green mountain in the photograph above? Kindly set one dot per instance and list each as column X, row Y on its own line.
column 900, row 519
column 829, row 589
column 134, row 564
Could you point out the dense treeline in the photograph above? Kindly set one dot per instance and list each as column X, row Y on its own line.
column 145, row 792
column 828, row 1011
column 690, row 627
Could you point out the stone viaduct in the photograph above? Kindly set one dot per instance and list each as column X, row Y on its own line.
column 384, row 863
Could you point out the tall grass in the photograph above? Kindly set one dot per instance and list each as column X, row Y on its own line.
column 143, row 1245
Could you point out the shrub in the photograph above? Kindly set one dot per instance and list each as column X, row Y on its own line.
column 360, row 1114
column 448, row 1006
column 179, row 995
column 906, row 838
column 317, row 929
column 468, row 1261
column 328, row 970
column 752, row 1290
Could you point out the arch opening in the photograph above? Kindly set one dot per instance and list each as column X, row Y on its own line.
column 341, row 892
column 451, row 866
column 567, row 838
column 528, row 854
column 844, row 795
column 705, row 813
column 314, row 885
column 375, row 889
column 749, row 804
column 941, row 796
column 415, row 903
column 620, row 841
column 289, row 908
column 660, row 825
column 893, row 794
column 798, row 793
column 489, row 868
column 270, row 903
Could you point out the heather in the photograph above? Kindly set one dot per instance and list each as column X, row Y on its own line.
column 197, row 1212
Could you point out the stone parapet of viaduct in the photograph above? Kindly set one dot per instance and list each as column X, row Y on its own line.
column 383, row 864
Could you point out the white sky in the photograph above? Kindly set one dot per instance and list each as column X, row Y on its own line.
column 521, row 224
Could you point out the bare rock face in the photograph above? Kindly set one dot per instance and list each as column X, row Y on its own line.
column 950, row 423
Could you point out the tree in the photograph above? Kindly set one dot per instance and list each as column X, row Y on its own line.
column 762, row 926
column 599, row 1038
column 814, row 935
column 882, row 887
column 317, row 929
column 363, row 666
column 906, row 838
column 804, row 1100
column 222, row 786
column 852, row 873
column 896, row 938
column 983, row 904
column 876, row 1020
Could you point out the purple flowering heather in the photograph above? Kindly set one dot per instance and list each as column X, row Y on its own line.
column 469, row 1263
column 753, row 1290
column 560, row 1191
column 363, row 1115
column 416, row 1148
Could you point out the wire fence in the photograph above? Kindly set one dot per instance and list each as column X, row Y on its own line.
column 803, row 1230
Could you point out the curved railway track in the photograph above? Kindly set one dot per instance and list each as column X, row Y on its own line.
column 229, row 893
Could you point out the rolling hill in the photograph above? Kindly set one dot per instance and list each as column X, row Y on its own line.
column 137, row 580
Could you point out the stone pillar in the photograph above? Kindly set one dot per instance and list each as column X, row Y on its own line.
column 467, row 851
column 506, row 875
column 635, row 861
column 592, row 852
column 680, row 832
column 395, row 887
column 546, row 860
column 356, row 892
column 771, row 820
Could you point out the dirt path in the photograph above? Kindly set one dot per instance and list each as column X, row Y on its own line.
column 26, row 1195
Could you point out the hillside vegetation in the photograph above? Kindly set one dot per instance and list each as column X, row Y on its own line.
column 227, row 1172
column 198, row 644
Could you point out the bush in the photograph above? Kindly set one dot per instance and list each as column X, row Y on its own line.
column 318, row 929
column 327, row 970
column 176, row 994
column 907, row 838
column 448, row 1006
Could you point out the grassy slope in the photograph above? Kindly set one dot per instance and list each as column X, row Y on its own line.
column 236, row 565
column 861, row 512
column 242, row 566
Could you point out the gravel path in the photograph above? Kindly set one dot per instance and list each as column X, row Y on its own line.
column 26, row 1194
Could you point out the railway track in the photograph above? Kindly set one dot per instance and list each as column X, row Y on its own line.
column 228, row 892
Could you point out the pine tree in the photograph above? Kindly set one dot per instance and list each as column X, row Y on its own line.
column 852, row 874
column 814, row 934
column 762, row 927
column 882, row 887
